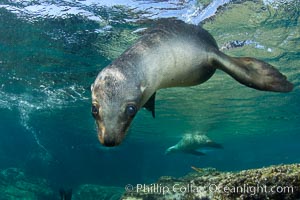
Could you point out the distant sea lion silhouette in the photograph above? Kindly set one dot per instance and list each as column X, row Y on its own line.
column 65, row 194
column 172, row 54
column 192, row 144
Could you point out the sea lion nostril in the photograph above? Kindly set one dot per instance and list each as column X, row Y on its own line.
column 109, row 142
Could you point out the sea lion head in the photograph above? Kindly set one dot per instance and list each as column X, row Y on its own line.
column 115, row 101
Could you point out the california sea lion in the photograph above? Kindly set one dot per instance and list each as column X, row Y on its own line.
column 172, row 54
column 193, row 144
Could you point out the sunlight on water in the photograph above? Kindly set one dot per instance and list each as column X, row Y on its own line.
column 46, row 98
column 200, row 15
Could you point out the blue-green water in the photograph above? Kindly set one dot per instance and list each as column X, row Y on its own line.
column 51, row 51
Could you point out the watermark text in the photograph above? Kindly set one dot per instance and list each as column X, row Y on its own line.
column 212, row 188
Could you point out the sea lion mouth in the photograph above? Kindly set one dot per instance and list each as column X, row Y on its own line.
column 101, row 131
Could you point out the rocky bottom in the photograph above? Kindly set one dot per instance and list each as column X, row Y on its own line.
column 275, row 182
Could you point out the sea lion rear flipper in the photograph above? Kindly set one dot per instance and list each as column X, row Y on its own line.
column 252, row 72
column 150, row 105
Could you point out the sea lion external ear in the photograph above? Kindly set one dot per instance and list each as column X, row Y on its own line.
column 150, row 105
column 92, row 86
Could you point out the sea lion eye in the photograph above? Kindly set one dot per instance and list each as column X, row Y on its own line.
column 131, row 110
column 95, row 111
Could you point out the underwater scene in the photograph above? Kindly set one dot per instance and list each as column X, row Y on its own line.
column 221, row 134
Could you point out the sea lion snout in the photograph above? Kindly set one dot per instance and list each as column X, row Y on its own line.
column 109, row 137
column 109, row 141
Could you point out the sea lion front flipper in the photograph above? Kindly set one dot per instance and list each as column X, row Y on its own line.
column 215, row 145
column 253, row 73
column 196, row 153
column 150, row 105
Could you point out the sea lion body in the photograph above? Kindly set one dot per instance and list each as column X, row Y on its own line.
column 192, row 144
column 173, row 54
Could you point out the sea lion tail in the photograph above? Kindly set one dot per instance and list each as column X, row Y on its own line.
column 252, row 72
